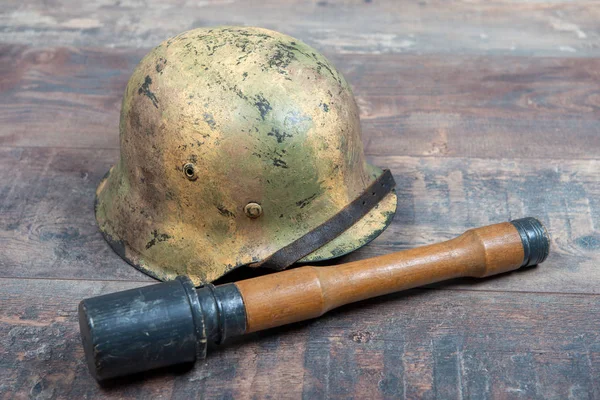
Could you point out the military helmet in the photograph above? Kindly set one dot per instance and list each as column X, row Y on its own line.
column 239, row 146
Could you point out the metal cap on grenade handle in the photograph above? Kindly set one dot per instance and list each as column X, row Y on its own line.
column 535, row 239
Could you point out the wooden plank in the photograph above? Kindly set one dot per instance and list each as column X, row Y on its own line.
column 488, row 107
column 420, row 344
column 531, row 28
column 62, row 96
column 477, row 106
column 47, row 212
column 47, row 226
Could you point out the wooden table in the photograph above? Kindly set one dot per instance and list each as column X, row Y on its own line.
column 484, row 110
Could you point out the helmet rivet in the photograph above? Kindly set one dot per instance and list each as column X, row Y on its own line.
column 189, row 171
column 253, row 210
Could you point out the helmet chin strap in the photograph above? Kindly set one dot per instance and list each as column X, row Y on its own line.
column 333, row 227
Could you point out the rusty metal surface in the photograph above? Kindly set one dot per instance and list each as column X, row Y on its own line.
column 215, row 119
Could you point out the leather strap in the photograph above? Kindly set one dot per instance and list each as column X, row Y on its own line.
column 333, row 227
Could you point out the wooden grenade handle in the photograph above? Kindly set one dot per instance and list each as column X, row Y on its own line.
column 308, row 292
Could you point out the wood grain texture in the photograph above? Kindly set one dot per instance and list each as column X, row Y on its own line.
column 309, row 292
column 484, row 110
column 503, row 27
column 47, row 225
column 62, row 97
column 419, row 105
column 419, row 344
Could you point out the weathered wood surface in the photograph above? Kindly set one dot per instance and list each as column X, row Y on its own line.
column 48, row 228
column 419, row 344
column 484, row 110
column 431, row 105
column 505, row 27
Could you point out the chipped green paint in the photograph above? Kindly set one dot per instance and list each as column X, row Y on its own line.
column 263, row 118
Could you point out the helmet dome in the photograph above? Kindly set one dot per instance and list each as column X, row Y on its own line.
column 235, row 141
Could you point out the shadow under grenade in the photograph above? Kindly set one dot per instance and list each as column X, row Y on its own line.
column 239, row 146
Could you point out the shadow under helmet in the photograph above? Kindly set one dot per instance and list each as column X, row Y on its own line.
column 237, row 144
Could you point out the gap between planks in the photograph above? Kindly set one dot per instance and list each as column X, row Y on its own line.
column 379, row 156
column 438, row 288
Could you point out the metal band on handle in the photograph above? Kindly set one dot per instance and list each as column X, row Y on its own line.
column 333, row 227
column 535, row 239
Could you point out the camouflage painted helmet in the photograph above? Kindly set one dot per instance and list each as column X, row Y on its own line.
column 235, row 143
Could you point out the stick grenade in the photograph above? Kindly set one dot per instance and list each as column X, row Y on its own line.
column 172, row 322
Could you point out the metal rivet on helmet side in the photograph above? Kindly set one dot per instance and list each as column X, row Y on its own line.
column 253, row 210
